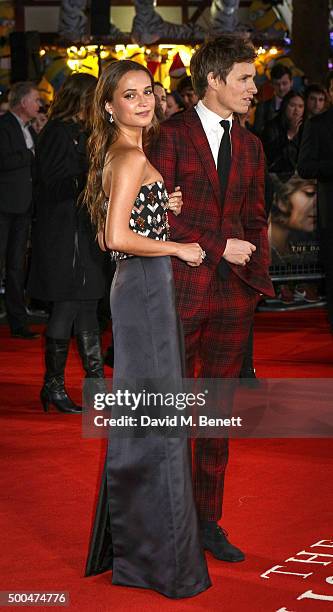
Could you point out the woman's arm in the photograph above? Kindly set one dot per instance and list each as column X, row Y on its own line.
column 128, row 175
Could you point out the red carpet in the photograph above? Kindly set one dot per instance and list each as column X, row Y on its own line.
column 278, row 495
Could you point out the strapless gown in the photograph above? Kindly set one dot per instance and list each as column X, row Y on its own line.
column 146, row 526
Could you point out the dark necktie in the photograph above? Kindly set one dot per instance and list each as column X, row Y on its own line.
column 223, row 170
column 224, row 158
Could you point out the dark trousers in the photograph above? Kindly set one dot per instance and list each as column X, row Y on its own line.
column 82, row 314
column 14, row 232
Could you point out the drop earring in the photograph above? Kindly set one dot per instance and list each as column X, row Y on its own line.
column 111, row 119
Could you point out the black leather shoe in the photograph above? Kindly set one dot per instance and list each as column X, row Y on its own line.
column 214, row 539
column 248, row 378
column 25, row 333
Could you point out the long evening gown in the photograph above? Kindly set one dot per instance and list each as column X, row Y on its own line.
column 146, row 527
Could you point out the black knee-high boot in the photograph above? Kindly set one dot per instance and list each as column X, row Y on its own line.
column 89, row 345
column 53, row 391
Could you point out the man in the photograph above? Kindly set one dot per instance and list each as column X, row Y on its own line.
column 282, row 83
column 315, row 100
column 220, row 168
column 185, row 89
column 316, row 162
column 16, row 166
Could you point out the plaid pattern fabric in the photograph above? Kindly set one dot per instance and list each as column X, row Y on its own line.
column 216, row 313
column 183, row 156
column 215, row 342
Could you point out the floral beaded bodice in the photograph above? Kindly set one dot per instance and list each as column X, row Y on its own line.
column 149, row 215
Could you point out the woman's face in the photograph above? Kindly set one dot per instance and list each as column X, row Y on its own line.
column 171, row 106
column 295, row 109
column 133, row 101
column 303, row 208
column 161, row 97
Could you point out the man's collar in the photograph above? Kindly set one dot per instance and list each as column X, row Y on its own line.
column 209, row 115
column 21, row 122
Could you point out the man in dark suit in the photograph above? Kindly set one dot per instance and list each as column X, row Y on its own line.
column 220, row 168
column 315, row 161
column 282, row 82
column 16, row 174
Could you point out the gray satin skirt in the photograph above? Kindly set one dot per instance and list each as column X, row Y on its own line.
column 146, row 526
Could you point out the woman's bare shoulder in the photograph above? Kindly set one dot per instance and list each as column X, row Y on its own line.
column 126, row 155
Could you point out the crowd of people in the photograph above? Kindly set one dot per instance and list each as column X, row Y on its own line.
column 175, row 186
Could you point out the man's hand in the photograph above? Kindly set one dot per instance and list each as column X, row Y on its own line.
column 238, row 252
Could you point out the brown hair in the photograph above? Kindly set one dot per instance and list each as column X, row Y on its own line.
column 73, row 98
column 218, row 56
column 104, row 134
column 283, row 191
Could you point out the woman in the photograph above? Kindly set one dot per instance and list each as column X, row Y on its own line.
column 282, row 136
column 146, row 525
column 174, row 104
column 67, row 265
column 160, row 101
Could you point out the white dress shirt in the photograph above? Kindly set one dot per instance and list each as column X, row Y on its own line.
column 26, row 133
column 211, row 124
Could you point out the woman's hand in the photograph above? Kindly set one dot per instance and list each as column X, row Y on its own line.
column 191, row 253
column 176, row 201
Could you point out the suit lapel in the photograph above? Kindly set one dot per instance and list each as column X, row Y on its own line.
column 201, row 144
column 19, row 134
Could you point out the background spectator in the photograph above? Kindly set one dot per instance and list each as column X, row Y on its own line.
column 17, row 144
column 67, row 264
column 175, row 104
column 282, row 83
column 160, row 98
column 316, row 100
column 316, row 162
column 281, row 136
column 185, row 89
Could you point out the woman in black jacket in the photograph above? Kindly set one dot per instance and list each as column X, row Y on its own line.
column 67, row 264
column 281, row 136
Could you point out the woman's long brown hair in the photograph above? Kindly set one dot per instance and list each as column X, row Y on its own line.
column 103, row 135
column 74, row 99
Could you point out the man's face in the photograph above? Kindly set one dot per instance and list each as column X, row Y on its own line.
column 30, row 104
column 282, row 86
column 315, row 103
column 236, row 94
column 189, row 97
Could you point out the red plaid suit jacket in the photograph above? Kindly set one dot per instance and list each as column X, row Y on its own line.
column 183, row 156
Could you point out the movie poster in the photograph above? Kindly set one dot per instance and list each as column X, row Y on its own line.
column 293, row 230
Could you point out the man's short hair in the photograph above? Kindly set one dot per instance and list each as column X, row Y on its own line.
column 184, row 83
column 18, row 91
column 218, row 56
column 314, row 88
column 279, row 70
